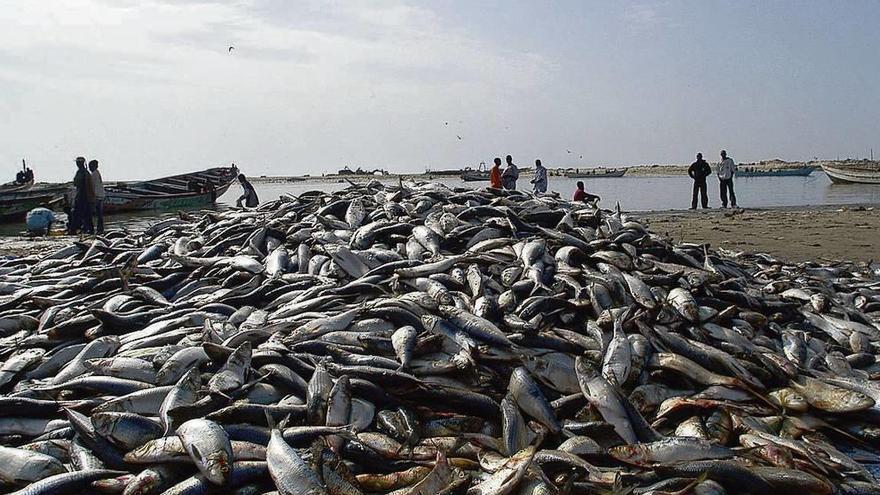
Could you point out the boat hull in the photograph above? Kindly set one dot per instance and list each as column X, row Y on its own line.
column 16, row 186
column 14, row 205
column 840, row 175
column 475, row 177
column 167, row 193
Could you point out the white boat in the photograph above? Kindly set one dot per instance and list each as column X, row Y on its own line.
column 859, row 173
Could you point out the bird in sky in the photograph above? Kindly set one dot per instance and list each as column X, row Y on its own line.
column 582, row 157
column 230, row 49
column 459, row 137
column 569, row 151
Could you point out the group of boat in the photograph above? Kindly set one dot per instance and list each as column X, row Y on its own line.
column 191, row 190
column 481, row 174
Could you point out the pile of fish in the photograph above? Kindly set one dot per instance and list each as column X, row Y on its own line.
column 414, row 339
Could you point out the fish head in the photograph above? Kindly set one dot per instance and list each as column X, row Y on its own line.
column 217, row 467
column 853, row 401
column 147, row 482
column 113, row 485
column 103, row 423
column 632, row 454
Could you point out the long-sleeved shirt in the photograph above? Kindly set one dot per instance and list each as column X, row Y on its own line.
column 726, row 169
column 495, row 177
column 98, row 185
column 540, row 180
column 249, row 197
column 509, row 177
column 699, row 170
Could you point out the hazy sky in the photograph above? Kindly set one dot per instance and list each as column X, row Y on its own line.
column 150, row 88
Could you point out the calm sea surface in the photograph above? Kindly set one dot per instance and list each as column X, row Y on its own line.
column 634, row 193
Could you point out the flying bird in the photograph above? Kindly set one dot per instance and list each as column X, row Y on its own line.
column 459, row 137
column 446, row 123
column 230, row 49
column 569, row 151
column 582, row 157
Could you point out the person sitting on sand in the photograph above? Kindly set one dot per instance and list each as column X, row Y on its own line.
column 581, row 195
column 510, row 175
column 250, row 194
column 495, row 174
column 540, row 179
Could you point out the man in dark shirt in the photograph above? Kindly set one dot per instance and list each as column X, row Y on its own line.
column 79, row 212
column 698, row 171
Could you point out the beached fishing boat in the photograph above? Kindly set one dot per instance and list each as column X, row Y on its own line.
column 782, row 172
column 24, row 180
column 594, row 173
column 856, row 173
column 14, row 205
column 191, row 190
column 16, row 186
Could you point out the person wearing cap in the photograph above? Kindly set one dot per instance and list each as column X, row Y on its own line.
column 726, row 172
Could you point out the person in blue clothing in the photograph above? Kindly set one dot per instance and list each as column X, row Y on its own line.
column 39, row 221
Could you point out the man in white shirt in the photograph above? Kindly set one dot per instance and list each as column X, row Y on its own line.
column 726, row 172
column 98, row 186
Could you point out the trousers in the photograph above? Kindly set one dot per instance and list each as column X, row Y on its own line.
column 727, row 185
column 99, row 215
column 700, row 187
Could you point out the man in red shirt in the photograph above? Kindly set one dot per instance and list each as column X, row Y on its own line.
column 495, row 174
column 581, row 195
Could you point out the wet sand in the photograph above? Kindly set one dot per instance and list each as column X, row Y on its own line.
column 796, row 234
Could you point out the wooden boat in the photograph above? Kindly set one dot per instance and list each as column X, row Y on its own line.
column 595, row 173
column 14, row 205
column 16, row 186
column 479, row 175
column 22, row 185
column 474, row 176
column 169, row 192
column 782, row 172
column 857, row 173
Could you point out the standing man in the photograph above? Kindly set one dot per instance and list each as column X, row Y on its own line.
column 75, row 220
column 98, row 187
column 726, row 173
column 698, row 171
column 495, row 174
column 510, row 175
column 540, row 179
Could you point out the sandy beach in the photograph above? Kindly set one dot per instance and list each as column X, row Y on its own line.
column 794, row 234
